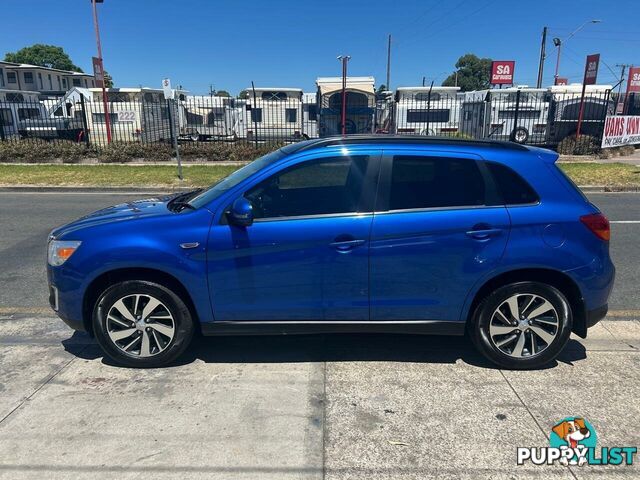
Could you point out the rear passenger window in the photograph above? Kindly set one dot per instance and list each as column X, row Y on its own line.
column 432, row 182
column 513, row 188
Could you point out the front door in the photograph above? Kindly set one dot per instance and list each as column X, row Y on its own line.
column 306, row 256
column 433, row 235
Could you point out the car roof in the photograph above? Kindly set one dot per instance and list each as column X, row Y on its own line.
column 399, row 140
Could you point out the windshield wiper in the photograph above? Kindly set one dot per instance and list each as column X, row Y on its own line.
column 180, row 202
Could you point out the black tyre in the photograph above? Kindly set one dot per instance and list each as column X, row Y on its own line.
column 520, row 135
column 142, row 324
column 523, row 325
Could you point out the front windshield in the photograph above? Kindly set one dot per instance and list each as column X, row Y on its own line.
column 235, row 178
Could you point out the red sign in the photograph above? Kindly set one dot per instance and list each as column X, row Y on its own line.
column 561, row 81
column 591, row 69
column 98, row 72
column 633, row 85
column 502, row 72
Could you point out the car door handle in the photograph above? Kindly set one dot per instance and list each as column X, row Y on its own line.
column 483, row 233
column 346, row 245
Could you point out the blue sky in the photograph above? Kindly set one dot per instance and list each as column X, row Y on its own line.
column 285, row 43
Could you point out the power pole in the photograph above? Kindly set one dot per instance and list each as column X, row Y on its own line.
column 107, row 119
column 389, row 64
column 623, row 68
column 543, row 55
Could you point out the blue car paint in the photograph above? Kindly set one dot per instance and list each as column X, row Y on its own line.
column 287, row 270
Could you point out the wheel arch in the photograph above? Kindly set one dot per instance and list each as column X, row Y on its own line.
column 106, row 279
column 555, row 278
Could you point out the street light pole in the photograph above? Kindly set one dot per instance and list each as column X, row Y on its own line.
column 558, row 43
column 107, row 120
column 344, row 59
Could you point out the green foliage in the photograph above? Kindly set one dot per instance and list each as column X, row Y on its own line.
column 36, row 151
column 474, row 73
column 221, row 93
column 108, row 80
column 243, row 94
column 381, row 88
column 43, row 55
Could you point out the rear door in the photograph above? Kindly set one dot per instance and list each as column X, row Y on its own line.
column 434, row 234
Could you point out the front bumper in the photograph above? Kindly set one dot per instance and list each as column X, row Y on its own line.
column 65, row 296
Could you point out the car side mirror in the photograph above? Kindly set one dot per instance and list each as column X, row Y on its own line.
column 241, row 213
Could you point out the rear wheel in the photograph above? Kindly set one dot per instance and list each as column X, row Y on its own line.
column 522, row 325
column 142, row 324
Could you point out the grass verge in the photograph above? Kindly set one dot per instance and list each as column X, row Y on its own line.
column 610, row 175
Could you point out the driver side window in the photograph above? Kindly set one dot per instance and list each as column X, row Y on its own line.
column 318, row 187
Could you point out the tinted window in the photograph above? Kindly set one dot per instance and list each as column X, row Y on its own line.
column 423, row 116
column 431, row 182
column 256, row 115
column 425, row 97
column 28, row 113
column 291, row 114
column 514, row 189
column 320, row 187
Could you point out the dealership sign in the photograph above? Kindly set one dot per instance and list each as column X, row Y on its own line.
column 98, row 71
column 621, row 130
column 502, row 72
column 633, row 85
column 591, row 69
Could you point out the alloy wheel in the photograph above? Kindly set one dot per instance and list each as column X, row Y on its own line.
column 524, row 325
column 140, row 325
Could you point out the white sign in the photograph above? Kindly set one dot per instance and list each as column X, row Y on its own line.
column 127, row 116
column 166, row 87
column 621, row 130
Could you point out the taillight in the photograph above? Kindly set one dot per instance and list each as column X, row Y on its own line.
column 598, row 224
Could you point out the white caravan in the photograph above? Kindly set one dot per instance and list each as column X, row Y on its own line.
column 17, row 109
column 427, row 111
column 213, row 118
column 309, row 115
column 136, row 115
column 360, row 105
column 492, row 114
column 274, row 114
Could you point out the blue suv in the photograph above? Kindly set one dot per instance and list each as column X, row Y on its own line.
column 363, row 233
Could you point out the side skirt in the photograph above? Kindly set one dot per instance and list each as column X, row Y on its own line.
column 421, row 327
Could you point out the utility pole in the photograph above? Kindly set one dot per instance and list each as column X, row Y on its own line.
column 623, row 68
column 389, row 64
column 558, row 43
column 107, row 119
column 543, row 55
column 343, row 120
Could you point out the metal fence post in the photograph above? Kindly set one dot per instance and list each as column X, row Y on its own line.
column 2, row 138
column 174, row 137
column 85, row 125
column 512, row 136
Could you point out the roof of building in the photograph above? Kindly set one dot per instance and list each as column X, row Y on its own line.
column 29, row 66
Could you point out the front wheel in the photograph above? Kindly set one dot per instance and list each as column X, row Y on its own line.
column 523, row 325
column 142, row 324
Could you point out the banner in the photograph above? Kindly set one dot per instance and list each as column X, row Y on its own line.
column 502, row 72
column 591, row 69
column 98, row 72
column 633, row 84
column 621, row 130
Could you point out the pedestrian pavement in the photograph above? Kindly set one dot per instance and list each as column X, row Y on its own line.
column 324, row 406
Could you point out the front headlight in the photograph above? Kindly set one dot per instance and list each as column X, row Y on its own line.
column 59, row 251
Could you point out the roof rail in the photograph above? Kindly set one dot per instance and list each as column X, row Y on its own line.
column 392, row 139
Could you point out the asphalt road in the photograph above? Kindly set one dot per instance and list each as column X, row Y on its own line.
column 27, row 218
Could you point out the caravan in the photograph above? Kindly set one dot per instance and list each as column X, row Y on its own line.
column 360, row 105
column 426, row 111
column 275, row 114
column 213, row 118
column 517, row 113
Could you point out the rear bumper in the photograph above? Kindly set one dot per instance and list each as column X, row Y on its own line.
column 594, row 316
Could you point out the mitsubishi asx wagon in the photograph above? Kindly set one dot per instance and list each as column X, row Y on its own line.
column 378, row 234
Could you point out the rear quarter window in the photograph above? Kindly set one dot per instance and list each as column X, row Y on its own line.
column 514, row 189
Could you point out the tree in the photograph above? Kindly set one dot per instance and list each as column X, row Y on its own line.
column 473, row 73
column 381, row 88
column 108, row 81
column 43, row 55
column 244, row 94
column 222, row 93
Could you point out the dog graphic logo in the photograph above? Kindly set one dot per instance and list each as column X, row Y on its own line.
column 575, row 433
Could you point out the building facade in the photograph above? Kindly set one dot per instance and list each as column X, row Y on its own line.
column 46, row 81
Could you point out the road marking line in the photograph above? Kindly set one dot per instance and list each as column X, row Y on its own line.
column 150, row 193
column 624, row 221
